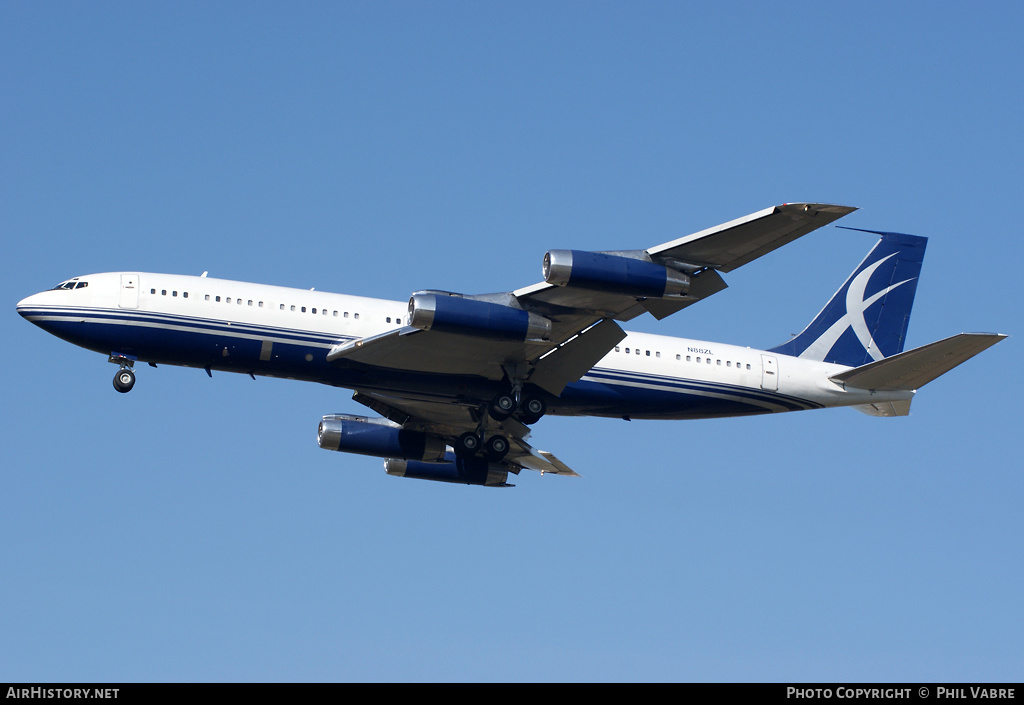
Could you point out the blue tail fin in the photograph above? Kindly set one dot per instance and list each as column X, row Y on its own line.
column 866, row 320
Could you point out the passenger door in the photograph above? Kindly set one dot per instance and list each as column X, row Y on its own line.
column 769, row 373
column 129, row 291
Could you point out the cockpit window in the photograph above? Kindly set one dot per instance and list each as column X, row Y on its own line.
column 72, row 284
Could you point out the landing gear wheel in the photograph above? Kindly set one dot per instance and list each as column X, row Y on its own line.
column 467, row 444
column 502, row 407
column 124, row 380
column 532, row 409
column 497, row 447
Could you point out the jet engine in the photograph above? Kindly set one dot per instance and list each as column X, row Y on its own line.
column 455, row 314
column 612, row 273
column 457, row 469
column 376, row 437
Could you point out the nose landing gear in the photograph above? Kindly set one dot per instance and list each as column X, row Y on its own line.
column 124, row 380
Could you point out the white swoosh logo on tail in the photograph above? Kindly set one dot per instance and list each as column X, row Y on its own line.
column 856, row 306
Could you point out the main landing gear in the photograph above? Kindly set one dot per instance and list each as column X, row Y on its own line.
column 508, row 404
column 527, row 409
column 494, row 448
column 124, row 380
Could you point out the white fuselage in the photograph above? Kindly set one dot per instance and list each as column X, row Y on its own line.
column 278, row 331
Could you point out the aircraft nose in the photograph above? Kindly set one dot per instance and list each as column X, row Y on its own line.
column 27, row 304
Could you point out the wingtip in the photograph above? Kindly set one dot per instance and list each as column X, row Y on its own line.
column 831, row 208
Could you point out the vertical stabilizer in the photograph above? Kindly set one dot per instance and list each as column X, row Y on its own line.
column 866, row 320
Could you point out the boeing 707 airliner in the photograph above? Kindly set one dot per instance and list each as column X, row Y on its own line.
column 458, row 380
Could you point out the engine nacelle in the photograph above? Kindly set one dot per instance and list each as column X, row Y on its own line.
column 376, row 437
column 612, row 273
column 464, row 471
column 481, row 319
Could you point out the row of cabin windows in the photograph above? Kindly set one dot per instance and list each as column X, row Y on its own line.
column 238, row 301
column 689, row 358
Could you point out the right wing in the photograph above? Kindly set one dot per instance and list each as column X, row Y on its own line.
column 448, row 419
column 731, row 245
column 704, row 254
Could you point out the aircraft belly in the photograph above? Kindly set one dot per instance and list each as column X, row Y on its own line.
column 616, row 394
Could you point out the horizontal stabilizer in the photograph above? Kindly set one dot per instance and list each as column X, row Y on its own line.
column 915, row 368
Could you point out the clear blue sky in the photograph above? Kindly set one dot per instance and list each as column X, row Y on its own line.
column 193, row 530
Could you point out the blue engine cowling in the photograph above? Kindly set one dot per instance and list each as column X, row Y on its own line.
column 612, row 273
column 463, row 471
column 376, row 437
column 481, row 319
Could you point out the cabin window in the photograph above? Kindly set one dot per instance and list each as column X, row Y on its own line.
column 163, row 292
column 627, row 351
column 250, row 302
column 388, row 319
column 357, row 315
column 314, row 310
column 293, row 307
column 303, row 309
column 323, row 311
column 616, row 348
column 152, row 291
column 281, row 307
column 748, row 365
column 718, row 362
column 261, row 304
column 185, row 295
column 698, row 360
column 239, row 302
column 207, row 297
column 335, row 314
column 728, row 364
column 648, row 353
column 709, row 360
column 679, row 357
